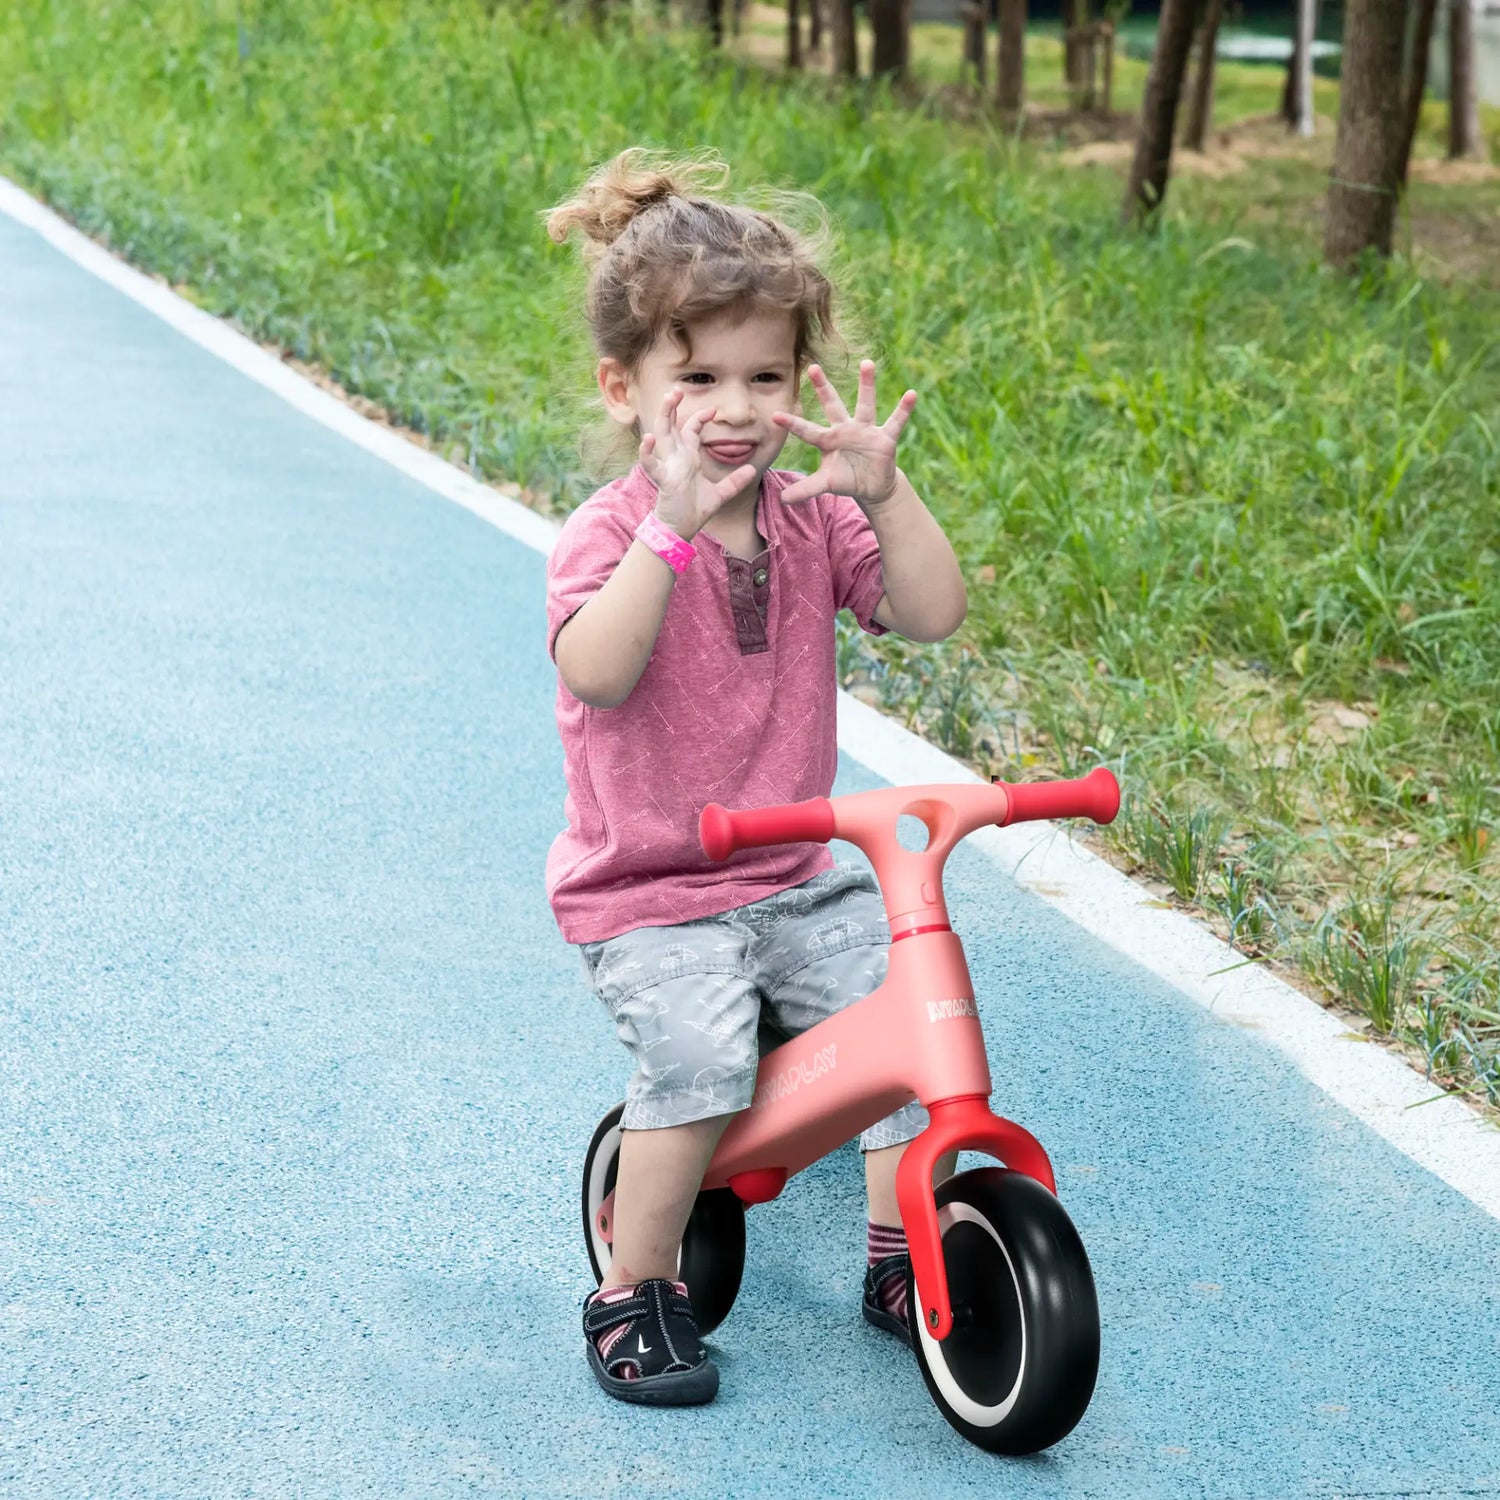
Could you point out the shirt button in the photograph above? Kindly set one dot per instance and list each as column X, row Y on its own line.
column 759, row 580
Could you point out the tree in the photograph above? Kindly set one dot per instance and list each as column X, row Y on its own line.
column 974, row 41
column 793, row 34
column 1296, row 97
column 890, row 22
column 845, row 38
column 1075, row 22
column 1201, row 101
column 1153, row 146
column 815, row 26
column 1011, row 88
column 1416, row 79
column 1463, row 92
column 1372, row 122
column 1114, row 11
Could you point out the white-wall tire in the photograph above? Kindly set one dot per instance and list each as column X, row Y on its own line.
column 1018, row 1370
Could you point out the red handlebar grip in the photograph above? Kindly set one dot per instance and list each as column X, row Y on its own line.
column 1095, row 796
column 722, row 832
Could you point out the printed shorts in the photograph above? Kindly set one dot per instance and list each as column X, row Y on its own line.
column 695, row 1003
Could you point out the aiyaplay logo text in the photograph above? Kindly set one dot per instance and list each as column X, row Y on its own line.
column 822, row 1062
column 950, row 1010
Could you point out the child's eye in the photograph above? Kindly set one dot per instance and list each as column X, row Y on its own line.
column 701, row 377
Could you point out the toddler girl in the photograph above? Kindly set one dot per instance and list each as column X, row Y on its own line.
column 691, row 610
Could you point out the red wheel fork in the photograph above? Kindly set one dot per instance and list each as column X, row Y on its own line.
column 963, row 1123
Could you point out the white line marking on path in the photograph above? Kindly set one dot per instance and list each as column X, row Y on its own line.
column 1375, row 1086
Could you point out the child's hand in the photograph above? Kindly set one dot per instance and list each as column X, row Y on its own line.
column 670, row 455
column 859, row 458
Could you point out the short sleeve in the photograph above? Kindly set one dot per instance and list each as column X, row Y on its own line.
column 854, row 552
column 588, row 550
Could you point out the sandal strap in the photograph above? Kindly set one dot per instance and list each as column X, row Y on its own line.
column 599, row 1316
column 666, row 1339
column 882, row 1271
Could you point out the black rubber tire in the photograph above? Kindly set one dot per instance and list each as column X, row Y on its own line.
column 1018, row 1370
column 713, row 1245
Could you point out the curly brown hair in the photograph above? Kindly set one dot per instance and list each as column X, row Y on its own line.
column 662, row 255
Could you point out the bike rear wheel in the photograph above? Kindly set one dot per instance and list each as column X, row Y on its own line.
column 712, row 1260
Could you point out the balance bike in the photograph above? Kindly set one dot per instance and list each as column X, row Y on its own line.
column 1000, row 1301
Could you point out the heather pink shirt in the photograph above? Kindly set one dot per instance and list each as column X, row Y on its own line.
column 726, row 711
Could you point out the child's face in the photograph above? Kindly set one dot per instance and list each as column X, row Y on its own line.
column 744, row 371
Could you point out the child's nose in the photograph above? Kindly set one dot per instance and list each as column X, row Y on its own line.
column 733, row 406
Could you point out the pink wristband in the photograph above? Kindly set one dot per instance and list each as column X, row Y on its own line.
column 665, row 543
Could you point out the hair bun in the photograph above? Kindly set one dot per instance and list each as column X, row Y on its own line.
column 621, row 190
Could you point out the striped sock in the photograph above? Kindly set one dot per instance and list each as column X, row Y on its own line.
column 612, row 1336
column 886, row 1240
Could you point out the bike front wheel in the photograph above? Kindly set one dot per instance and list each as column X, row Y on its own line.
column 1017, row 1370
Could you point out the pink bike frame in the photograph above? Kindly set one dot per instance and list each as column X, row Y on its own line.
column 917, row 1035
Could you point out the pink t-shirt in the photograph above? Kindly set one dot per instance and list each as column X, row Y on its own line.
column 735, row 706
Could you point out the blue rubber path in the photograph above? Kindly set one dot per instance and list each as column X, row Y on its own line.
column 296, row 1075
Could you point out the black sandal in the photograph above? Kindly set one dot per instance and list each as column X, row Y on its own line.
column 661, row 1345
column 876, row 1277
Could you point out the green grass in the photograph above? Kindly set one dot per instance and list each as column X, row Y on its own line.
column 1208, row 496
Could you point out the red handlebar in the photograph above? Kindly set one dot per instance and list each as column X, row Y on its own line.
column 1095, row 796
column 859, row 816
column 722, row 831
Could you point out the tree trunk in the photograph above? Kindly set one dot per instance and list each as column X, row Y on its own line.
column 890, row 21
column 1107, row 36
column 815, row 25
column 714, row 13
column 1296, row 97
column 1372, row 119
column 1012, row 64
column 1463, row 92
column 974, row 42
column 1153, row 146
column 1201, row 103
column 1416, row 79
column 793, row 34
column 1075, row 49
column 845, row 39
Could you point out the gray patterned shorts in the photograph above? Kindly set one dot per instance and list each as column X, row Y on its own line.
column 696, row 1003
